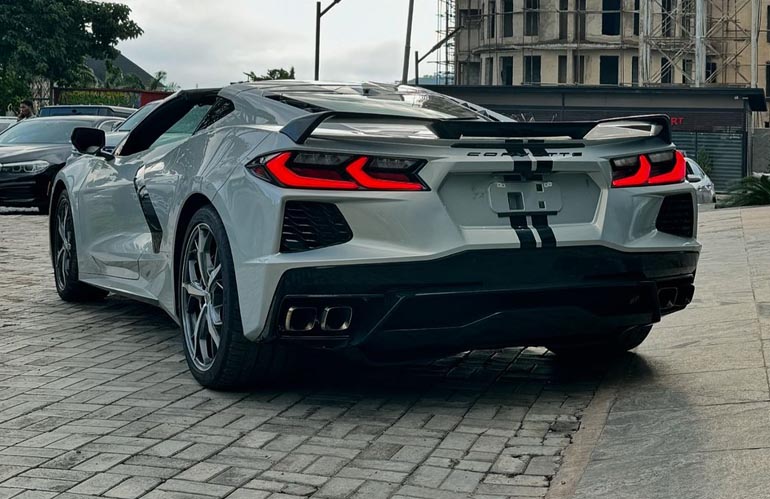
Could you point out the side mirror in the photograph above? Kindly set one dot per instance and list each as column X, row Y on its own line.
column 693, row 179
column 90, row 141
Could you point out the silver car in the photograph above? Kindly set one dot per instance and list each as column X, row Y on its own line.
column 706, row 192
column 380, row 221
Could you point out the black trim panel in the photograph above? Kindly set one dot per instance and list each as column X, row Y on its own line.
column 148, row 210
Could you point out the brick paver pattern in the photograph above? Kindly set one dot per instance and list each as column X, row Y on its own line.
column 96, row 401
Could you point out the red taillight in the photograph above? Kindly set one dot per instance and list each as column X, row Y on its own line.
column 387, row 182
column 649, row 169
column 311, row 178
column 309, row 170
column 676, row 175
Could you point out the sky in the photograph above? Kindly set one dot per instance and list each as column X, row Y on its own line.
column 213, row 42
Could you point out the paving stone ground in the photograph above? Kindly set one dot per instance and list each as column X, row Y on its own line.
column 96, row 401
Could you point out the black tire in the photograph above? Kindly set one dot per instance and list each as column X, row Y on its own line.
column 612, row 345
column 237, row 362
column 65, row 262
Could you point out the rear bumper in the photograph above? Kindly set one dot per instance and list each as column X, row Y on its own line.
column 486, row 298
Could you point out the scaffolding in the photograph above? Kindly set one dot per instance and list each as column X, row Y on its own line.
column 445, row 26
column 708, row 42
column 689, row 42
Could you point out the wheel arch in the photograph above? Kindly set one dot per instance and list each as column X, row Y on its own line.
column 191, row 205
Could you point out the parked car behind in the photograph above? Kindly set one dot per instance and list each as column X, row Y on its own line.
column 32, row 152
column 7, row 121
column 121, row 112
column 705, row 187
column 114, row 138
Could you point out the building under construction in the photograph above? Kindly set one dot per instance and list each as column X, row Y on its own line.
column 606, row 42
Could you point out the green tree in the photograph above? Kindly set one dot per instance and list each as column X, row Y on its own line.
column 50, row 39
column 272, row 74
column 159, row 83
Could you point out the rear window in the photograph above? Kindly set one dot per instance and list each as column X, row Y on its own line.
column 39, row 131
column 69, row 111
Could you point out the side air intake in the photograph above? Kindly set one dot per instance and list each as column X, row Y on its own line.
column 312, row 225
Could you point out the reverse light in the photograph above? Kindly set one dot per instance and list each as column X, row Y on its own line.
column 312, row 170
column 666, row 167
column 29, row 167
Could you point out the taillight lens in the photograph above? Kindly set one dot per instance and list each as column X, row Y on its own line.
column 667, row 167
column 311, row 170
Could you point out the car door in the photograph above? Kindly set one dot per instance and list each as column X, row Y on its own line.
column 115, row 222
column 112, row 224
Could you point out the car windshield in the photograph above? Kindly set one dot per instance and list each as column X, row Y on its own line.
column 41, row 131
column 135, row 118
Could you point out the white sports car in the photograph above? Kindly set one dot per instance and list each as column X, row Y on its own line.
column 386, row 222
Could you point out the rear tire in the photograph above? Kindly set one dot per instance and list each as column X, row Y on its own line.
column 218, row 354
column 613, row 345
column 65, row 258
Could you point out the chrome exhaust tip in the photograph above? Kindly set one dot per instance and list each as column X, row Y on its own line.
column 336, row 319
column 301, row 319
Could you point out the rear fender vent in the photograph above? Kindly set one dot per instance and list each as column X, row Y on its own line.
column 677, row 215
column 312, row 225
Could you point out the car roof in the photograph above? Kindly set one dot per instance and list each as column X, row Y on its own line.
column 89, row 106
column 86, row 118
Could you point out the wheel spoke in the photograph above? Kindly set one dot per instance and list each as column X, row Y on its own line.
column 215, row 340
column 213, row 276
column 197, row 330
column 194, row 290
column 200, row 247
column 62, row 231
column 213, row 318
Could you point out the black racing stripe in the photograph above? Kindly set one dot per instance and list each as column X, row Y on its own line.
column 522, row 166
column 540, row 223
column 523, row 232
column 544, row 165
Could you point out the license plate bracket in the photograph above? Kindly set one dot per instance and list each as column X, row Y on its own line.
column 540, row 196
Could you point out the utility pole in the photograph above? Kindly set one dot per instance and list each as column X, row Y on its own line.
column 416, row 68
column 318, row 15
column 408, row 48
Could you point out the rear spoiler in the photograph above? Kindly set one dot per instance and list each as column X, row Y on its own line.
column 300, row 129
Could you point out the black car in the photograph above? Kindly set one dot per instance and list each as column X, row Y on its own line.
column 32, row 152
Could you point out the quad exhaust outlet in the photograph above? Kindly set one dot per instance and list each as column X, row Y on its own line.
column 330, row 319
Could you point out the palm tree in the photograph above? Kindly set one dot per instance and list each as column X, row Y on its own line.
column 751, row 191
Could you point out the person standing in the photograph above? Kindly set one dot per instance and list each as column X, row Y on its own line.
column 26, row 110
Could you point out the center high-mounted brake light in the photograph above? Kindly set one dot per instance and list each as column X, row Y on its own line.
column 311, row 170
column 667, row 167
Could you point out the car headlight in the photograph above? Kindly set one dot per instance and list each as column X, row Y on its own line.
column 24, row 167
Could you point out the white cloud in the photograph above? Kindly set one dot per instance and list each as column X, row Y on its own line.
column 212, row 42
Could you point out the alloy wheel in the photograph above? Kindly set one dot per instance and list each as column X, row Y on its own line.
column 63, row 236
column 202, row 296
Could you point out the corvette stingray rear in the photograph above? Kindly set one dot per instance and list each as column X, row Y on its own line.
column 388, row 222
